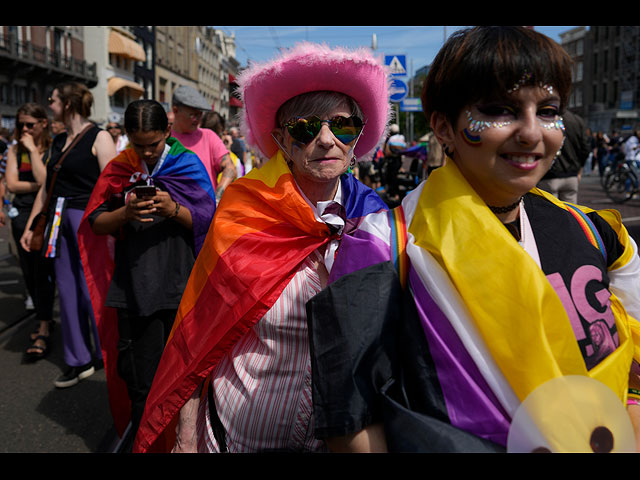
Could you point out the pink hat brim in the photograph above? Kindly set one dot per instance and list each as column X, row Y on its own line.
column 310, row 67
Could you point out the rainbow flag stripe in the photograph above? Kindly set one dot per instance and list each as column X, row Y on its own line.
column 398, row 243
column 588, row 227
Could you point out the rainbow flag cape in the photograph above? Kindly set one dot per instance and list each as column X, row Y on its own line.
column 262, row 231
column 185, row 178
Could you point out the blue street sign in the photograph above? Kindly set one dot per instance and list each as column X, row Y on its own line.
column 411, row 105
column 397, row 90
column 397, row 65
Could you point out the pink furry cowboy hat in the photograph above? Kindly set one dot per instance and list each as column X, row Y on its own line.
column 310, row 67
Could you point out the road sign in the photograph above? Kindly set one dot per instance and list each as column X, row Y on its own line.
column 397, row 64
column 397, row 90
column 411, row 105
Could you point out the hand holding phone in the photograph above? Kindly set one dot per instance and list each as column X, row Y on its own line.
column 145, row 191
column 141, row 204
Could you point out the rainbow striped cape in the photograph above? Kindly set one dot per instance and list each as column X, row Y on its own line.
column 262, row 231
column 185, row 178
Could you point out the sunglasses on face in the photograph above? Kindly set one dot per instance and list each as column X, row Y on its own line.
column 29, row 125
column 345, row 129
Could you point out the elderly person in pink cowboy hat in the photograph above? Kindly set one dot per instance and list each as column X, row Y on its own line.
column 235, row 375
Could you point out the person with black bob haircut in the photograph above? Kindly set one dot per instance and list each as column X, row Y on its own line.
column 478, row 313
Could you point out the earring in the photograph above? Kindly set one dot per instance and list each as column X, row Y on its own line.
column 352, row 163
column 447, row 151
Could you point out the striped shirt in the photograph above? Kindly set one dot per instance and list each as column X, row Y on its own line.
column 262, row 387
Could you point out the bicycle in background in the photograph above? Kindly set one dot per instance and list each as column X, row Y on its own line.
column 620, row 179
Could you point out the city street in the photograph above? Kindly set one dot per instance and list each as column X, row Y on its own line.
column 37, row 417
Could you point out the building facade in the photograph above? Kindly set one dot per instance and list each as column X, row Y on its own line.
column 174, row 62
column 606, row 86
column 119, row 64
column 202, row 57
column 33, row 59
column 116, row 51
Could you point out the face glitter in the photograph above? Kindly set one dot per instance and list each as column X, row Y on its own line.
column 548, row 88
column 558, row 124
column 477, row 126
column 523, row 80
column 526, row 78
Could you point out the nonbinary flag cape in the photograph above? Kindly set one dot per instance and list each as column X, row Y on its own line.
column 496, row 327
column 183, row 175
column 262, row 231
column 490, row 282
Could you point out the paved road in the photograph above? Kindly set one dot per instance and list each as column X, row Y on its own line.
column 37, row 417
column 592, row 195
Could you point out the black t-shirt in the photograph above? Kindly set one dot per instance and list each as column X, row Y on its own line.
column 79, row 172
column 152, row 265
column 578, row 272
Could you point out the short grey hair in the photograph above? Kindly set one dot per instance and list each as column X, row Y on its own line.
column 319, row 103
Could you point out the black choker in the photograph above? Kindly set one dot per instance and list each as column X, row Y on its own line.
column 506, row 209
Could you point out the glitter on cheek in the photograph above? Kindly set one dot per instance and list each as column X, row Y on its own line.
column 471, row 134
column 557, row 124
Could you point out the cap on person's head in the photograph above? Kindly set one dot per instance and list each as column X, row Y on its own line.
column 190, row 97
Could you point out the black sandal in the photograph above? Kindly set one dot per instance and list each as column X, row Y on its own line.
column 41, row 351
column 36, row 333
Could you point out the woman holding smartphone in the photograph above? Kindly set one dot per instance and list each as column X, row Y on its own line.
column 156, row 200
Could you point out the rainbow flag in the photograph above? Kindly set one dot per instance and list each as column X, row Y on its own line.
column 185, row 178
column 262, row 231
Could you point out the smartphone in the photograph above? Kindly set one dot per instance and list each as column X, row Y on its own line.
column 145, row 191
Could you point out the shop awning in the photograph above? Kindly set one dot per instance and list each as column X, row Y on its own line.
column 116, row 83
column 121, row 45
column 234, row 102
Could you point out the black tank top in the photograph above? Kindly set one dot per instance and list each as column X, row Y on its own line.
column 24, row 201
column 79, row 173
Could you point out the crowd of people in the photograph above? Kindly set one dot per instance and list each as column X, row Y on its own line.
column 310, row 302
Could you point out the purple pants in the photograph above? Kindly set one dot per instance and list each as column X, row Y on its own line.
column 79, row 332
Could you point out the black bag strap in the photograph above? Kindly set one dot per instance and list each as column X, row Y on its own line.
column 58, row 165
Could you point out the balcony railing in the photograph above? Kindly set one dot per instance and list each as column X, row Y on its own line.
column 26, row 52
